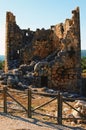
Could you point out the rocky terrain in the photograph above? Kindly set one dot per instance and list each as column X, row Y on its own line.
column 25, row 75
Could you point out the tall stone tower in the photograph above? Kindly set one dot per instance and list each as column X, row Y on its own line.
column 59, row 45
column 10, row 24
column 76, row 21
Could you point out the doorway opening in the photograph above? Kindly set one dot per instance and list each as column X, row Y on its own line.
column 44, row 81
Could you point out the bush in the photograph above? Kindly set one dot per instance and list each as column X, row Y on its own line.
column 83, row 64
column 1, row 65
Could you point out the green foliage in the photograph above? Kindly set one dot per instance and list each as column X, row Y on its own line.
column 83, row 64
column 1, row 65
column 84, row 71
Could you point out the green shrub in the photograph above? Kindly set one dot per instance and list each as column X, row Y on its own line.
column 1, row 65
column 83, row 64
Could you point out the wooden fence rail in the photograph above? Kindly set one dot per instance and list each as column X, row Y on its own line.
column 60, row 100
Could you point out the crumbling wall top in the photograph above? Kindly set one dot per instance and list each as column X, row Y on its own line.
column 10, row 17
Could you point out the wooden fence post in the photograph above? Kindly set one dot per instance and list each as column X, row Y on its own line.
column 5, row 99
column 29, row 103
column 59, row 118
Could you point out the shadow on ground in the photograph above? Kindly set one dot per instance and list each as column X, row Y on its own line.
column 41, row 123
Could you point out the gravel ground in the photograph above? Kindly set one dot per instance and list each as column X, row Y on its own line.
column 8, row 122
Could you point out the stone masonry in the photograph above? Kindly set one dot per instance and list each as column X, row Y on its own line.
column 55, row 51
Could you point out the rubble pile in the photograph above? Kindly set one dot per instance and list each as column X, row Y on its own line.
column 25, row 75
column 19, row 78
column 78, row 113
column 81, row 107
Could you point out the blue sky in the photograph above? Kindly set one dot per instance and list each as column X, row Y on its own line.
column 41, row 14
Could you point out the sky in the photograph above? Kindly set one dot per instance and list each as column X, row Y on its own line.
column 41, row 14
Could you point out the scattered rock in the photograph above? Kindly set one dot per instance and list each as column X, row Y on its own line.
column 81, row 107
column 50, row 91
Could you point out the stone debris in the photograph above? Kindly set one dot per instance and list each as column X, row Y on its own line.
column 80, row 105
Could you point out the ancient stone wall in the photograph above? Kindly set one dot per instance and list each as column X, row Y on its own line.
column 56, row 50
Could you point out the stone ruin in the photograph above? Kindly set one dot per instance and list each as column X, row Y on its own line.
column 80, row 112
column 45, row 57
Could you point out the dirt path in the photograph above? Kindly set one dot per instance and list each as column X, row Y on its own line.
column 8, row 122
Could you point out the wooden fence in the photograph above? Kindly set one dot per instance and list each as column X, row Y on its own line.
column 29, row 110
